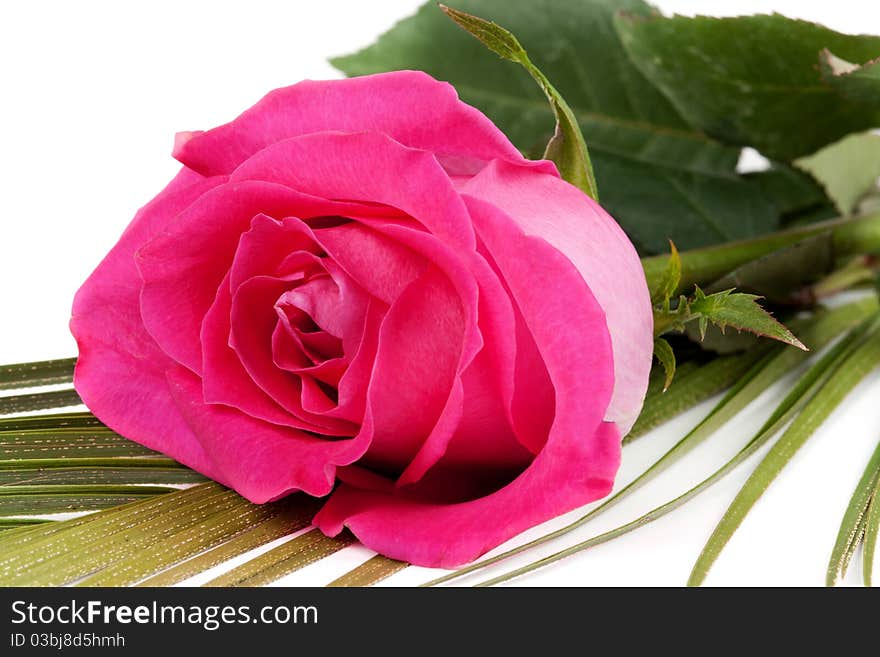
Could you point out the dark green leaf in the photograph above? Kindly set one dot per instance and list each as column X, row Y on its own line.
column 566, row 147
column 659, row 177
column 751, row 80
column 861, row 84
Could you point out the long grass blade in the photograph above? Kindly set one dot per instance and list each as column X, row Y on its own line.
column 806, row 387
column 286, row 522
column 213, row 530
column 51, row 444
column 40, row 373
column 691, row 386
column 773, row 365
column 368, row 573
column 852, row 526
column 76, row 420
column 103, row 475
column 64, row 551
column 78, row 499
column 38, row 401
column 872, row 529
column 288, row 557
column 858, row 365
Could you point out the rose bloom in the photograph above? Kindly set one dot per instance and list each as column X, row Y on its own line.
column 361, row 289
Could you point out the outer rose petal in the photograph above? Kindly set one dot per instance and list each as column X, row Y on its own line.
column 550, row 208
column 120, row 372
column 581, row 455
column 395, row 104
column 261, row 461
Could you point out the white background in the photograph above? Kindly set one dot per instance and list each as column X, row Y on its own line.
column 91, row 94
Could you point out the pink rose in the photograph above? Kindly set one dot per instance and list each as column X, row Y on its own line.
column 363, row 280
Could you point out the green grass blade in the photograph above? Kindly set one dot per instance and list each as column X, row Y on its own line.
column 286, row 522
column 213, row 530
column 101, row 475
column 858, row 365
column 64, row 551
column 852, row 526
column 368, row 573
column 39, row 401
column 689, row 388
column 39, row 444
column 807, row 386
column 872, row 529
column 81, row 500
column 78, row 420
column 288, row 557
column 774, row 364
column 40, row 373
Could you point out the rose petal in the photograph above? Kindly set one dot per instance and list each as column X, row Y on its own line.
column 114, row 347
column 366, row 167
column 182, row 267
column 419, row 349
column 394, row 103
column 262, row 461
column 253, row 319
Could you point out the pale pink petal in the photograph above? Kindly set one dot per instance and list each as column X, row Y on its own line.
column 550, row 208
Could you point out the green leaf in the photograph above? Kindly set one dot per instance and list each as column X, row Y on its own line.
column 861, row 84
column 667, row 285
column 660, row 178
column 852, row 526
column 742, row 312
column 368, row 573
column 41, row 373
column 566, row 147
column 848, row 169
column 666, row 357
column 751, row 80
column 856, row 367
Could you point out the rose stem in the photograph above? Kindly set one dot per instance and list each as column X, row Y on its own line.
column 851, row 236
